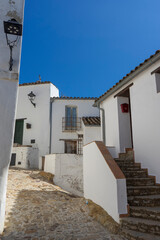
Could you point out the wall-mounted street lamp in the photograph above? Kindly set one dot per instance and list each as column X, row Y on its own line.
column 31, row 97
column 13, row 31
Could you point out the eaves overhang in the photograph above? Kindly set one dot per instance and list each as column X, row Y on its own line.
column 128, row 78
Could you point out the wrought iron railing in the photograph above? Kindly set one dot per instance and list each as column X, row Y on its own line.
column 71, row 124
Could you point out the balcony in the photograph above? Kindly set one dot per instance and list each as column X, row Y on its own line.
column 71, row 124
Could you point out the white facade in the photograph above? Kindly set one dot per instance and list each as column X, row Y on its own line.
column 91, row 133
column 8, row 93
column 38, row 117
column 67, row 170
column 84, row 108
column 145, row 118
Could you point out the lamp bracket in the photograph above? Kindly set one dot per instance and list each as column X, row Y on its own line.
column 34, row 104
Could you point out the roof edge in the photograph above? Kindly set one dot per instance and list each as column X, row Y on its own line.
column 119, row 84
column 36, row 83
column 73, row 98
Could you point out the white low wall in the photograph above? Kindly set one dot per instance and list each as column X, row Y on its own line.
column 101, row 183
column 49, row 164
column 26, row 157
column 67, row 170
column 91, row 133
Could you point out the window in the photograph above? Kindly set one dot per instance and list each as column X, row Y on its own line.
column 80, row 144
column 71, row 147
column 71, row 117
column 71, row 122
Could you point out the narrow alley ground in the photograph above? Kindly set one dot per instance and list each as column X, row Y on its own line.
column 36, row 209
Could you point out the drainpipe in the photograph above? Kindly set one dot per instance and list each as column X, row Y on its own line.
column 103, row 124
column 50, row 134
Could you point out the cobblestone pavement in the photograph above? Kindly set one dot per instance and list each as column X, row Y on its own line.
column 37, row 209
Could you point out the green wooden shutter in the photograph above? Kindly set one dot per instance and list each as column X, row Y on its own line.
column 18, row 135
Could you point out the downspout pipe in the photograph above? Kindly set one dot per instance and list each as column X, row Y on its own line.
column 103, row 124
column 50, row 134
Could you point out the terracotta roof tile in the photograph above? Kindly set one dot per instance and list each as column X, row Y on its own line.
column 76, row 98
column 91, row 121
column 137, row 67
column 34, row 83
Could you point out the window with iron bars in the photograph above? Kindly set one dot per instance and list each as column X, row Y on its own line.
column 80, row 144
column 71, row 122
column 70, row 147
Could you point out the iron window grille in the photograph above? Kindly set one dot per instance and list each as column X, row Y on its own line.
column 71, row 124
column 71, row 147
column 80, row 144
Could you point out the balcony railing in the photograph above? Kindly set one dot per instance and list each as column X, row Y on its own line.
column 71, row 124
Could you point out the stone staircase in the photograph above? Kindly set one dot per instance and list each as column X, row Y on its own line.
column 143, row 198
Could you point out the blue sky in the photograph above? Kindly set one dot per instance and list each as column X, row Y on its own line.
column 86, row 46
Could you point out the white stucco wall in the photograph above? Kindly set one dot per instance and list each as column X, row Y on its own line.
column 50, row 162
column 145, row 112
column 84, row 108
column 145, row 102
column 100, row 185
column 110, row 105
column 26, row 157
column 8, row 94
column 38, row 117
column 91, row 134
column 67, row 170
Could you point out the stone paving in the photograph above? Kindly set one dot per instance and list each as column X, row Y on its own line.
column 37, row 209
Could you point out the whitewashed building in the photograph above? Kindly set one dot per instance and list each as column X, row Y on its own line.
column 75, row 122
column 68, row 128
column 33, row 123
column 125, row 167
column 138, row 126
column 49, row 124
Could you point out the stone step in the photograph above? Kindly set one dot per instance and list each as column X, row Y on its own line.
column 129, row 165
column 123, row 160
column 152, row 213
column 143, row 190
column 144, row 201
column 130, row 168
column 133, row 235
column 140, row 182
column 141, row 225
column 138, row 173
column 126, row 156
column 125, row 163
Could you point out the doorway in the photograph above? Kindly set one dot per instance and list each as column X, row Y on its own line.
column 125, row 119
column 13, row 159
column 18, row 135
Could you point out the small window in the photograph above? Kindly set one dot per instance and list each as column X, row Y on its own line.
column 28, row 125
column 71, row 147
